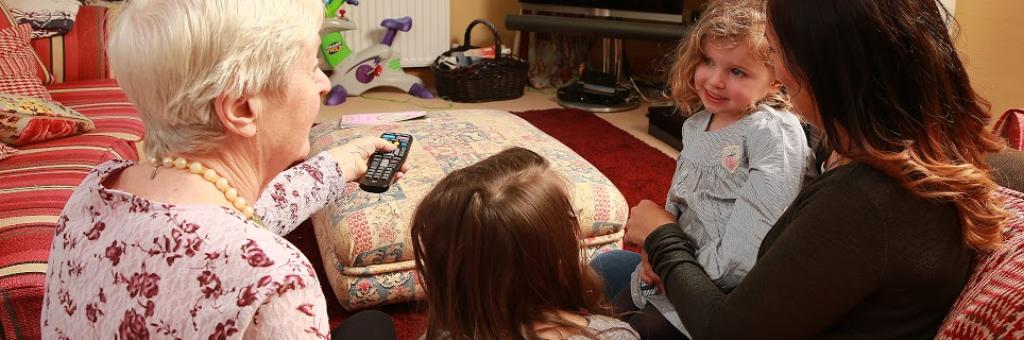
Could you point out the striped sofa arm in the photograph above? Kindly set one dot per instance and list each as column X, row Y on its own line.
column 36, row 182
column 81, row 53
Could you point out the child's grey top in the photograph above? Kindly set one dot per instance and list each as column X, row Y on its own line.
column 732, row 184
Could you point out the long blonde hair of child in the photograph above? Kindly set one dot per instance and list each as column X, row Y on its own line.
column 728, row 22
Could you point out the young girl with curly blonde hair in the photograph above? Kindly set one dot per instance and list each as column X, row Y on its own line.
column 743, row 160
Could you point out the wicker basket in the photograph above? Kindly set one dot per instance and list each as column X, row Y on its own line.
column 501, row 78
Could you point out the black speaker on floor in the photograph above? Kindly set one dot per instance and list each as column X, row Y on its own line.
column 598, row 92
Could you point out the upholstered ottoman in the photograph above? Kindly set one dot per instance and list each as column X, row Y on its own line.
column 365, row 241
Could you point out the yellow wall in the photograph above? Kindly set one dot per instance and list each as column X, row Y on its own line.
column 992, row 45
column 465, row 11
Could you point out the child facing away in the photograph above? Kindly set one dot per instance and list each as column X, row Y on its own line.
column 743, row 159
column 497, row 249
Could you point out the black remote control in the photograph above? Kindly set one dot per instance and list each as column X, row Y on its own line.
column 382, row 167
column 648, row 289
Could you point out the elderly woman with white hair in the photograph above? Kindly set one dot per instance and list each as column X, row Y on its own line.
column 172, row 247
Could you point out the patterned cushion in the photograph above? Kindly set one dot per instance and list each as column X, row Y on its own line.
column 18, row 64
column 102, row 102
column 992, row 303
column 25, row 120
column 1011, row 127
column 35, row 184
column 365, row 241
column 48, row 18
column 6, row 151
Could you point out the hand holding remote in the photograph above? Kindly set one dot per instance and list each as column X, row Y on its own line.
column 352, row 157
column 383, row 167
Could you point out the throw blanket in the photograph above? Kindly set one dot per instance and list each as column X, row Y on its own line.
column 47, row 17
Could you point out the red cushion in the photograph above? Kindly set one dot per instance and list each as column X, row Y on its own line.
column 1011, row 127
column 992, row 303
column 8, row 21
column 18, row 64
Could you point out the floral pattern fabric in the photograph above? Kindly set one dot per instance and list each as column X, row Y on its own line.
column 364, row 238
column 6, row 151
column 25, row 120
column 125, row 267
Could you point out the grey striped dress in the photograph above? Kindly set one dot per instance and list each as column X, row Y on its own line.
column 729, row 188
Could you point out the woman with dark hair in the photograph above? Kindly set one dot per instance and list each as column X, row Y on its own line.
column 497, row 249
column 880, row 245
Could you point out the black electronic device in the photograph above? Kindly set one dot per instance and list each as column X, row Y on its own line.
column 654, row 6
column 666, row 124
column 648, row 290
column 597, row 92
column 598, row 83
column 383, row 166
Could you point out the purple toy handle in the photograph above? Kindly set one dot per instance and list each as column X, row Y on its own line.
column 403, row 24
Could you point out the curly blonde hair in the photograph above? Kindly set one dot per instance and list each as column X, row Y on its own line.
column 733, row 22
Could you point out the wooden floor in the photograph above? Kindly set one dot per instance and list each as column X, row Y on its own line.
column 378, row 100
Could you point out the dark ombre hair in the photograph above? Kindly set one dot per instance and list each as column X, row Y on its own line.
column 886, row 78
column 497, row 249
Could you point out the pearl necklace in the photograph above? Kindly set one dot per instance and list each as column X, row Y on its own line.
column 230, row 193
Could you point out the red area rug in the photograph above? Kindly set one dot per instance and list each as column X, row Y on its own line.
column 637, row 169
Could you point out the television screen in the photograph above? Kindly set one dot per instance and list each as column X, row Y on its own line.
column 654, row 6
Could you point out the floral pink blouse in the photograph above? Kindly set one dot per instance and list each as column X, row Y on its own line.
column 125, row 267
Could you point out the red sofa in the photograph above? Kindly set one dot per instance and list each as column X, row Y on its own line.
column 992, row 304
column 1011, row 127
column 36, row 182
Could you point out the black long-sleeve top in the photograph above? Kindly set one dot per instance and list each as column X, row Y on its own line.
column 854, row 257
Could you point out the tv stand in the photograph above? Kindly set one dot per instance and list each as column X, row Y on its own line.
column 612, row 25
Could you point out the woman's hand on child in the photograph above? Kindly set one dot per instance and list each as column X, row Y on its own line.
column 648, row 275
column 643, row 219
column 354, row 156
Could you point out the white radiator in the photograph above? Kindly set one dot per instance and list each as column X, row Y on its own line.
column 428, row 38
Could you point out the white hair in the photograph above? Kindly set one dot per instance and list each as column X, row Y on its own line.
column 173, row 58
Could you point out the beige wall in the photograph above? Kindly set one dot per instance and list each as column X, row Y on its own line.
column 992, row 45
column 465, row 11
